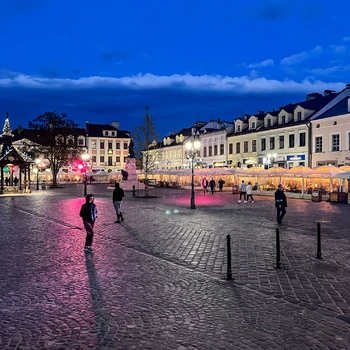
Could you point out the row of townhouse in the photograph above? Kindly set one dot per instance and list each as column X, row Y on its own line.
column 107, row 145
column 313, row 132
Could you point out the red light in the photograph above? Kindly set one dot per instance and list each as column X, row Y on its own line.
column 80, row 166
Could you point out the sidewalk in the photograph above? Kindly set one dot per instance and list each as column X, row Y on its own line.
column 158, row 280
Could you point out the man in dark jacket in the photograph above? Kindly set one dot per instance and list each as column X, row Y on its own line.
column 88, row 213
column 280, row 203
column 212, row 185
column 118, row 195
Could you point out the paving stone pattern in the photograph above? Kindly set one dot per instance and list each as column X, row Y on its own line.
column 157, row 281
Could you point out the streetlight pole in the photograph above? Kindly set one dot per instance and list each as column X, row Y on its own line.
column 192, row 148
column 85, row 157
column 37, row 161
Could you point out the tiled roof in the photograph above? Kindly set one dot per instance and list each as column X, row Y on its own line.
column 96, row 130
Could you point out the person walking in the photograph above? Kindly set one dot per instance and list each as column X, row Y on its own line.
column 242, row 192
column 221, row 183
column 118, row 194
column 88, row 213
column 15, row 181
column 280, row 203
column 212, row 185
column 250, row 192
column 205, row 184
column 7, row 181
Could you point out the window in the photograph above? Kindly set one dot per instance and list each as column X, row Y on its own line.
column 291, row 141
column 302, row 139
column 263, row 144
column 269, row 123
column 299, row 116
column 102, row 159
column 102, row 145
column 210, row 151
column 272, row 143
column 110, row 161
column 238, row 128
column 81, row 142
column 93, row 144
column 222, row 149
column 281, row 142
column 215, row 150
column 113, row 133
column 253, row 125
column 110, row 145
column 254, row 146
column 318, row 144
column 125, row 145
column 93, row 158
column 283, row 119
column 245, row 146
column 204, row 151
column 238, row 147
column 106, row 133
column 118, row 145
column 335, row 142
column 118, row 159
column 70, row 142
column 230, row 147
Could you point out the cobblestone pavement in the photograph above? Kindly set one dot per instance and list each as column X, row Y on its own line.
column 157, row 281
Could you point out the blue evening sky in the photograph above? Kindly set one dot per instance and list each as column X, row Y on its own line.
column 188, row 60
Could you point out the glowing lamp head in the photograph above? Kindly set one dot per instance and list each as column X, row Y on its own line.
column 189, row 145
column 80, row 166
column 197, row 144
column 274, row 155
column 85, row 156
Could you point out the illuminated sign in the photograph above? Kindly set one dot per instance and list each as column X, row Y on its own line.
column 296, row 157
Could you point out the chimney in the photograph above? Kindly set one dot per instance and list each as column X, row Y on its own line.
column 328, row 92
column 19, row 129
column 312, row 96
column 260, row 112
column 347, row 86
column 115, row 125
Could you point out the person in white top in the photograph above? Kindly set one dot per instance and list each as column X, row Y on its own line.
column 250, row 192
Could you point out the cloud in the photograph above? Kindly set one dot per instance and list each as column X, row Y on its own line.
column 266, row 63
column 145, row 56
column 325, row 71
column 346, row 38
column 337, row 48
column 115, row 56
column 302, row 56
column 176, row 100
column 272, row 10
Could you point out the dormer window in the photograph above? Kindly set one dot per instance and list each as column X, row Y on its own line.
column 253, row 125
column 113, row 133
column 106, row 133
column 283, row 119
column 299, row 116
column 269, row 123
column 238, row 128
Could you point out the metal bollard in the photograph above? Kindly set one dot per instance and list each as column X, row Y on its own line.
column 229, row 269
column 319, row 253
column 133, row 190
column 278, row 249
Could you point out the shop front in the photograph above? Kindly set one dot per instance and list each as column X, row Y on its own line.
column 295, row 160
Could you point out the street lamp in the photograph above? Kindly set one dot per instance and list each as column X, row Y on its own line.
column 192, row 148
column 273, row 156
column 85, row 157
column 37, row 161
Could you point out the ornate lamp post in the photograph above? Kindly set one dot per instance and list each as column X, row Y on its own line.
column 37, row 161
column 85, row 157
column 193, row 148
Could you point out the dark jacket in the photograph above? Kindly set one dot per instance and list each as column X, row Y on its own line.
column 88, row 211
column 221, row 183
column 118, row 193
column 212, row 183
column 280, row 199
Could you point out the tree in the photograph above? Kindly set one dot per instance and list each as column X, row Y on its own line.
column 145, row 136
column 56, row 140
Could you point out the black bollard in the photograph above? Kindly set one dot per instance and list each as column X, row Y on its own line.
column 229, row 269
column 133, row 190
column 278, row 249
column 319, row 253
